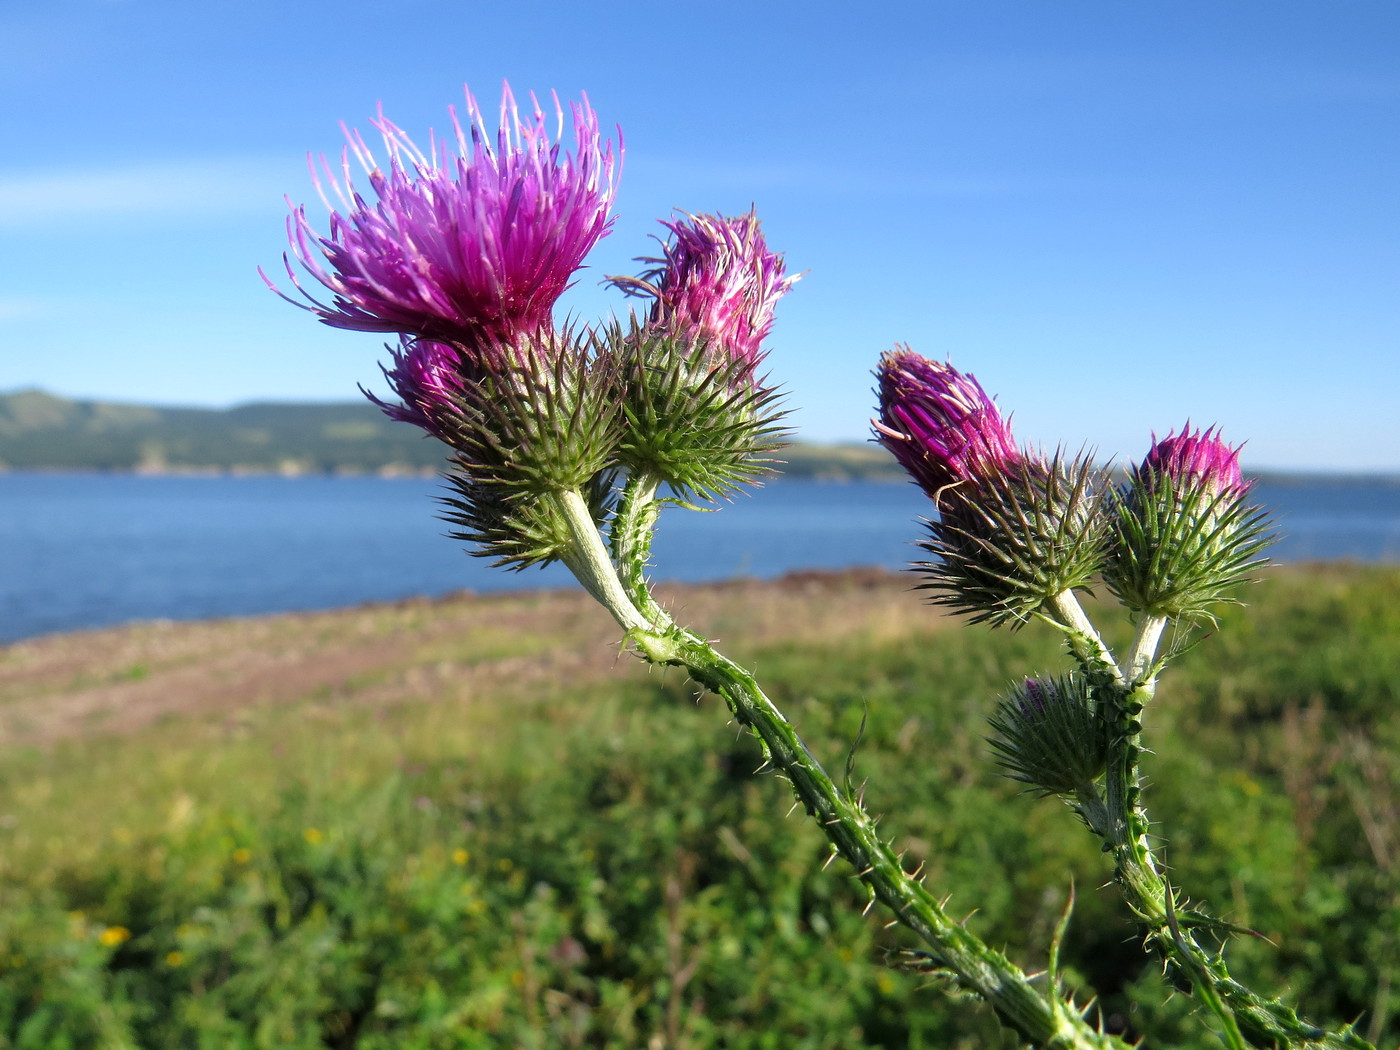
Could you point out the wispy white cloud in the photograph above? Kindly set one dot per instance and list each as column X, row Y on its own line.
column 171, row 190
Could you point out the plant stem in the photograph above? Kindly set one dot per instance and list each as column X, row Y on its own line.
column 588, row 561
column 630, row 539
column 1119, row 818
column 1044, row 1018
column 1123, row 825
column 1084, row 641
column 1144, row 647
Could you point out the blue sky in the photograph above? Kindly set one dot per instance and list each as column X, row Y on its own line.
column 1118, row 216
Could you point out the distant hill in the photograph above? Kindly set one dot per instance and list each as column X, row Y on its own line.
column 40, row 431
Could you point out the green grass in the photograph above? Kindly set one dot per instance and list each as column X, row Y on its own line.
column 597, row 865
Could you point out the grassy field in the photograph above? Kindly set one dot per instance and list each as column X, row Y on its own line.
column 473, row 823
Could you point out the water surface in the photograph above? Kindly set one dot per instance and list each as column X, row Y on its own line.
column 90, row 550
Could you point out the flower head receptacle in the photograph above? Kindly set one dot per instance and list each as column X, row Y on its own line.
column 699, row 415
column 1184, row 531
column 545, row 422
column 470, row 243
column 1006, row 547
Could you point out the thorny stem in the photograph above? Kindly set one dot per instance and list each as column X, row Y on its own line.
column 1044, row 1018
column 1117, row 817
column 1120, row 820
column 630, row 538
column 1084, row 641
column 1124, row 829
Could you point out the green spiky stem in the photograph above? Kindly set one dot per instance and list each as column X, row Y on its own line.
column 1042, row 1017
column 630, row 539
column 1119, row 818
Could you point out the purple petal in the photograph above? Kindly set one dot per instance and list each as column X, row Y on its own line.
column 939, row 423
column 471, row 245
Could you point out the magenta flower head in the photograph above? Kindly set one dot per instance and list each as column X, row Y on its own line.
column 1195, row 457
column 940, row 424
column 470, row 243
column 716, row 282
column 1013, row 529
column 1184, row 533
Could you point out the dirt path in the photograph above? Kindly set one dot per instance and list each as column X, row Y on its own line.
column 120, row 679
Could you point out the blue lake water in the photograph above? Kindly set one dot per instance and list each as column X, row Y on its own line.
column 91, row 550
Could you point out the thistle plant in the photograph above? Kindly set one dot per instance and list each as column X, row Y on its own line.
column 1016, row 535
column 565, row 442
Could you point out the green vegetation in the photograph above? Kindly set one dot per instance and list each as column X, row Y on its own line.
column 594, row 863
column 39, row 431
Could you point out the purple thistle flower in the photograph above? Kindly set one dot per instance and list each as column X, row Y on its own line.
column 428, row 377
column 471, row 246
column 939, row 423
column 716, row 281
column 1198, row 456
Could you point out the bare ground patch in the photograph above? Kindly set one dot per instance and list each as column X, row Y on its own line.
column 121, row 679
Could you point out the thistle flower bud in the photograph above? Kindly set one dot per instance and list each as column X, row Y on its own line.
column 940, row 424
column 1013, row 530
column 1049, row 736
column 698, row 415
column 1184, row 532
column 1194, row 457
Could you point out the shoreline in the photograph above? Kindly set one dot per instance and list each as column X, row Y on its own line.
column 113, row 680
column 859, row 575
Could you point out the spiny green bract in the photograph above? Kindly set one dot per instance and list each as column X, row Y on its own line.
column 547, row 420
column 1007, row 543
column 518, row 527
column 1051, row 736
column 547, row 423
column 1177, row 548
column 695, row 418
